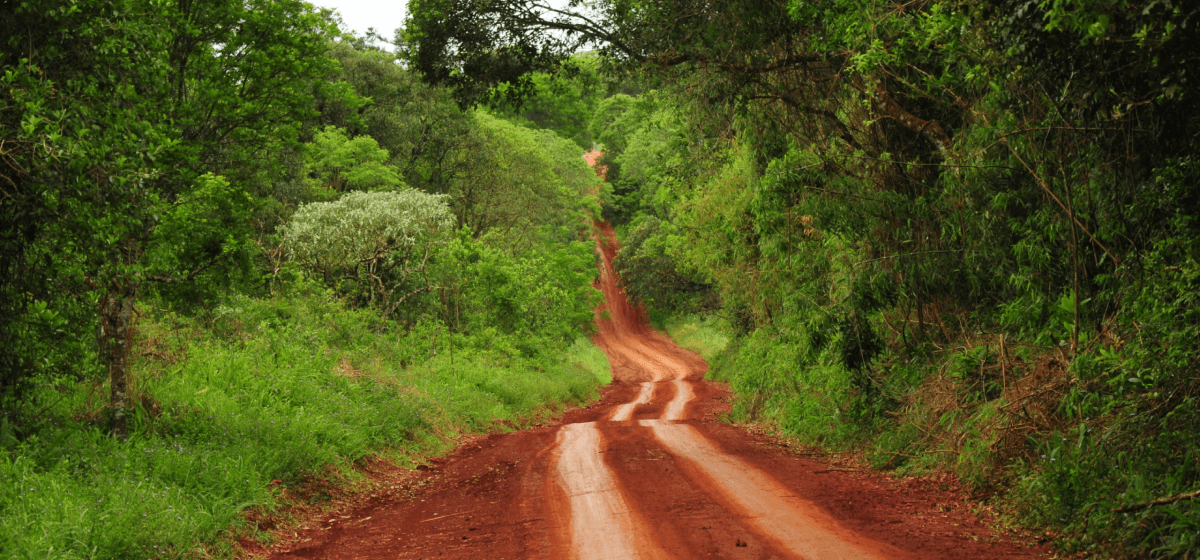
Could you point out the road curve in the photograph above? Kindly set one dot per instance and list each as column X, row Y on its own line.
column 647, row 473
column 761, row 505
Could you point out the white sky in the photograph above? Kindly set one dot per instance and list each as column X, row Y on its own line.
column 384, row 15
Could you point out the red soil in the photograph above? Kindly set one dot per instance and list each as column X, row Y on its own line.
column 591, row 158
column 641, row 486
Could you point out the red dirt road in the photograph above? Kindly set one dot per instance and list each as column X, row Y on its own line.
column 648, row 472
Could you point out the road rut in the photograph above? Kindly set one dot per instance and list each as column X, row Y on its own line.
column 648, row 473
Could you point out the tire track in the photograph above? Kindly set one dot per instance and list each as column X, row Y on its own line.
column 683, row 395
column 754, row 500
column 646, row 473
column 625, row 411
column 595, row 501
column 767, row 507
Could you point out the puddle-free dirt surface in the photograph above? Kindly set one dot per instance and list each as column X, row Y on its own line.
column 649, row 472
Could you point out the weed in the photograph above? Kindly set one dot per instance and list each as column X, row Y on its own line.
column 704, row 335
column 261, row 396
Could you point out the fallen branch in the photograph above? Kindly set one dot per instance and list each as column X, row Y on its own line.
column 1158, row 502
column 444, row 516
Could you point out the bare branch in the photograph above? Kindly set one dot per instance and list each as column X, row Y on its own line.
column 192, row 274
column 1158, row 502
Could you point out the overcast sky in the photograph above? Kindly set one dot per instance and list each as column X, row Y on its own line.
column 384, row 15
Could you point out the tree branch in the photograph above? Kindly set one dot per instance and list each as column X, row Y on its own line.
column 829, row 116
column 1050, row 192
column 888, row 106
column 1158, row 502
column 190, row 275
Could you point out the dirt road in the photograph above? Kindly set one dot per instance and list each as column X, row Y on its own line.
column 649, row 473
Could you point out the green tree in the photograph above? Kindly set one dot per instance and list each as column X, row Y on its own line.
column 563, row 101
column 343, row 163
column 375, row 246
column 132, row 103
column 542, row 295
column 511, row 187
column 617, row 118
column 428, row 138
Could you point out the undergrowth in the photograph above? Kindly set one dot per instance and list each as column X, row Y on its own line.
column 704, row 335
column 262, row 395
column 1048, row 437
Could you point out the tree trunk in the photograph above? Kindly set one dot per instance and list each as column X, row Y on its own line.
column 116, row 338
column 887, row 106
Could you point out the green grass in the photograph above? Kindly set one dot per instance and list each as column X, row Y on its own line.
column 266, row 391
column 1076, row 456
column 707, row 335
column 590, row 357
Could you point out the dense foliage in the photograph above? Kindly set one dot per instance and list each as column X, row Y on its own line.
column 264, row 400
column 233, row 239
column 952, row 234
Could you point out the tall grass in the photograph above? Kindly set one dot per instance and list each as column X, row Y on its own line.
column 1013, row 420
column 591, row 358
column 707, row 335
column 256, row 398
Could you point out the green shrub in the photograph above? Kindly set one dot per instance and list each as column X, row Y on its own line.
column 704, row 335
column 259, row 396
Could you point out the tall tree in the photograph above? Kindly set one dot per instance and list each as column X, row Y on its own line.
column 425, row 133
column 125, row 107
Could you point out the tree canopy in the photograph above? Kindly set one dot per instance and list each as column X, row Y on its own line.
column 893, row 204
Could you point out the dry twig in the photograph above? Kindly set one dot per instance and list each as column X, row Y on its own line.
column 1158, row 502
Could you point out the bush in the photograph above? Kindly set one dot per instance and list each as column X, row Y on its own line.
column 263, row 395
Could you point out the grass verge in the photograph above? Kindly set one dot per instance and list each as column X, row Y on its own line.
column 1045, row 437
column 262, row 396
column 705, row 335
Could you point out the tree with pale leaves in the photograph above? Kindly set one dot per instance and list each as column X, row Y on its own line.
column 371, row 246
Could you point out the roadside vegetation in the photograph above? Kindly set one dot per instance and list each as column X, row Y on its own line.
column 263, row 396
column 955, row 236
column 240, row 249
column 243, row 254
